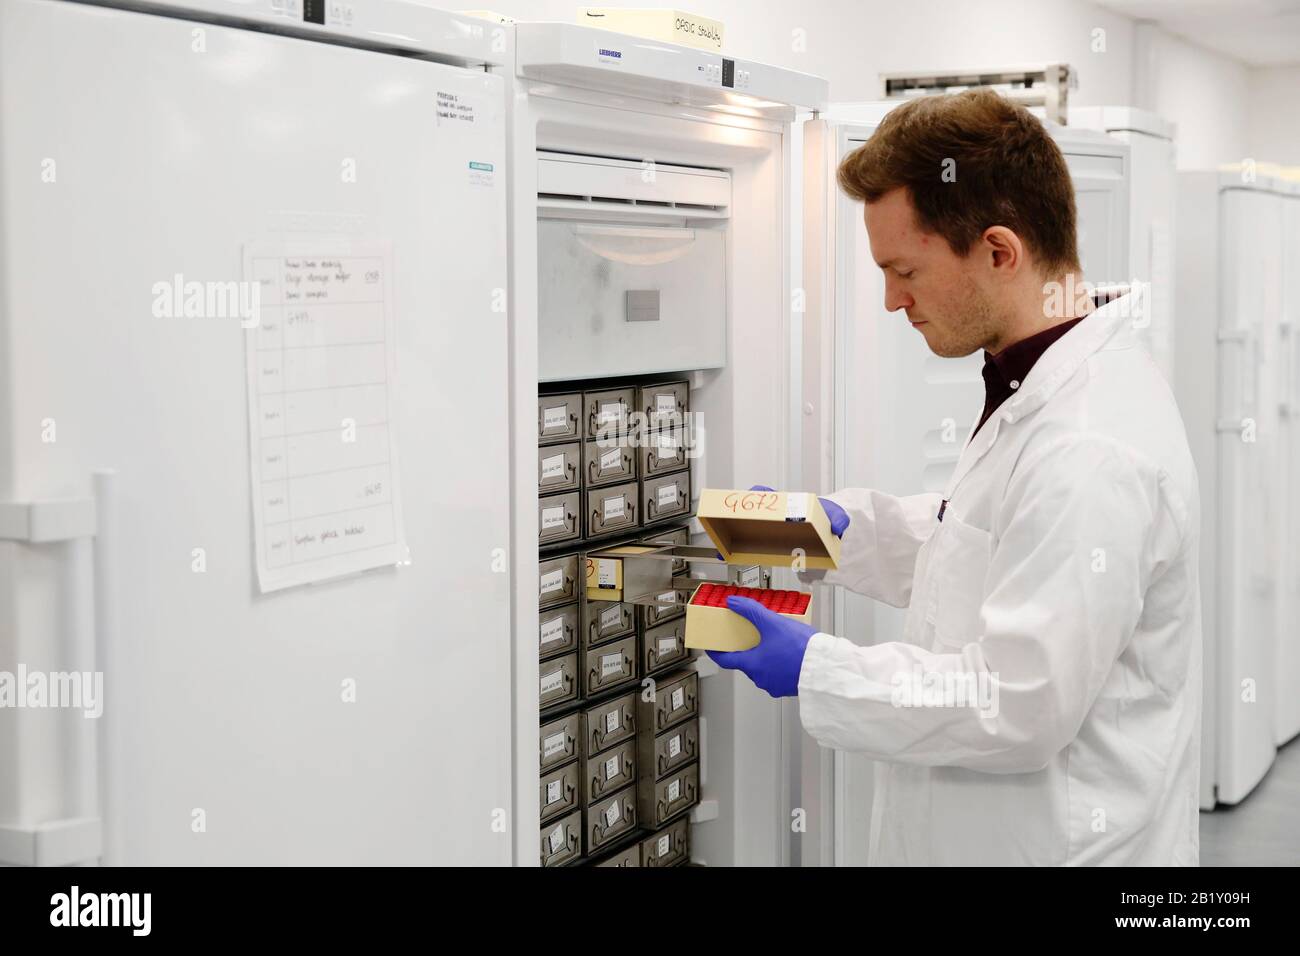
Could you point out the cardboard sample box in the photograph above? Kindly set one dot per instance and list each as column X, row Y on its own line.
column 712, row 626
column 769, row 528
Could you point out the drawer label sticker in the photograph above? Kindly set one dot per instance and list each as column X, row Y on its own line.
column 796, row 506
column 674, row 790
column 611, row 618
column 609, row 461
column 611, row 664
column 614, row 508
column 751, row 577
column 665, row 447
column 678, row 698
column 665, row 405
column 667, row 495
column 611, row 768
column 552, row 630
column 553, row 745
column 668, row 597
column 661, row 848
column 609, row 413
column 555, row 417
column 552, row 518
column 675, row 746
column 612, row 814
column 552, row 467
column 552, row 682
column 667, row 646
column 552, row 580
column 553, row 792
column 556, row 839
column 612, row 721
column 607, row 571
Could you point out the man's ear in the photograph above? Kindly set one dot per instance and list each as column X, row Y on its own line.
column 1003, row 250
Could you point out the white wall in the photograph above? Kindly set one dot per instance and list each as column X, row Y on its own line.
column 851, row 43
column 1272, row 123
column 1203, row 92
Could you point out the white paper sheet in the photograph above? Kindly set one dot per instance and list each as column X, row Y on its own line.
column 321, row 394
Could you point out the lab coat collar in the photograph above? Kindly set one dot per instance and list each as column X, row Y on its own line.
column 1108, row 327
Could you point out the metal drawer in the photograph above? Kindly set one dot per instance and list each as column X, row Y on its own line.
column 674, row 606
column 612, row 817
column 603, row 621
column 609, row 723
column 557, row 742
column 605, row 772
column 559, row 518
column 672, row 536
column 676, row 698
column 557, row 631
column 631, row 856
column 675, row 747
column 562, row 840
column 607, row 413
column 666, row 497
column 558, row 679
column 611, row 509
column 660, row 800
column 558, row 581
column 663, row 405
column 558, row 790
column 558, row 418
column 609, row 665
column 753, row 576
column 663, row 452
column 668, row 847
column 609, row 461
column 559, row 468
column 664, row 646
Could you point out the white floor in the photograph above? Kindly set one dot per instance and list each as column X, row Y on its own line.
column 1264, row 829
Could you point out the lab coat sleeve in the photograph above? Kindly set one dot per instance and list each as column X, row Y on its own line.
column 1083, row 529
column 879, row 547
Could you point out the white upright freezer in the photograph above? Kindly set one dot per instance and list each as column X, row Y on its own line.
column 643, row 167
column 302, row 615
column 1235, row 371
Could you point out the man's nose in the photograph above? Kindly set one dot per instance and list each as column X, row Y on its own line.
column 896, row 298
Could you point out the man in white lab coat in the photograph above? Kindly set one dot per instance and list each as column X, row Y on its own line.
column 1043, row 706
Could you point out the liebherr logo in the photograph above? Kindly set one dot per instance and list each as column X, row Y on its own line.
column 102, row 909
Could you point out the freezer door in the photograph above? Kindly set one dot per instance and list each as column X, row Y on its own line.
column 885, row 413
column 1287, row 712
column 1249, row 537
column 882, row 411
column 316, row 723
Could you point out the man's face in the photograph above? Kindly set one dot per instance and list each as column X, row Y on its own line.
column 941, row 292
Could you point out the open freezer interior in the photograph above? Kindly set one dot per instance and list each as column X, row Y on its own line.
column 663, row 369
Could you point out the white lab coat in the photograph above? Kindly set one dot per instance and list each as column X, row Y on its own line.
column 1065, row 572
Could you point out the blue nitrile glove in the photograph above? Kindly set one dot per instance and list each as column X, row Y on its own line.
column 775, row 663
column 838, row 516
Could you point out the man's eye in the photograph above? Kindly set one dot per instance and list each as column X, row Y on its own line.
column 906, row 275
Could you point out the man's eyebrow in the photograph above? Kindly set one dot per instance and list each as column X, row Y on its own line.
column 888, row 263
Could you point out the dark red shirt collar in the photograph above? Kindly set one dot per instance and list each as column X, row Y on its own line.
column 1005, row 372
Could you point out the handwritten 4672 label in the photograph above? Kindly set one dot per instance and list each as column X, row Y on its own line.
column 739, row 501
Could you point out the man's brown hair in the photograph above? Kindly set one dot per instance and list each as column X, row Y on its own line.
column 1003, row 169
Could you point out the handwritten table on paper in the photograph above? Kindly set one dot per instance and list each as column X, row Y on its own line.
column 321, row 384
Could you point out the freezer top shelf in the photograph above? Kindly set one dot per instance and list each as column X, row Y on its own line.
column 406, row 27
column 585, row 57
